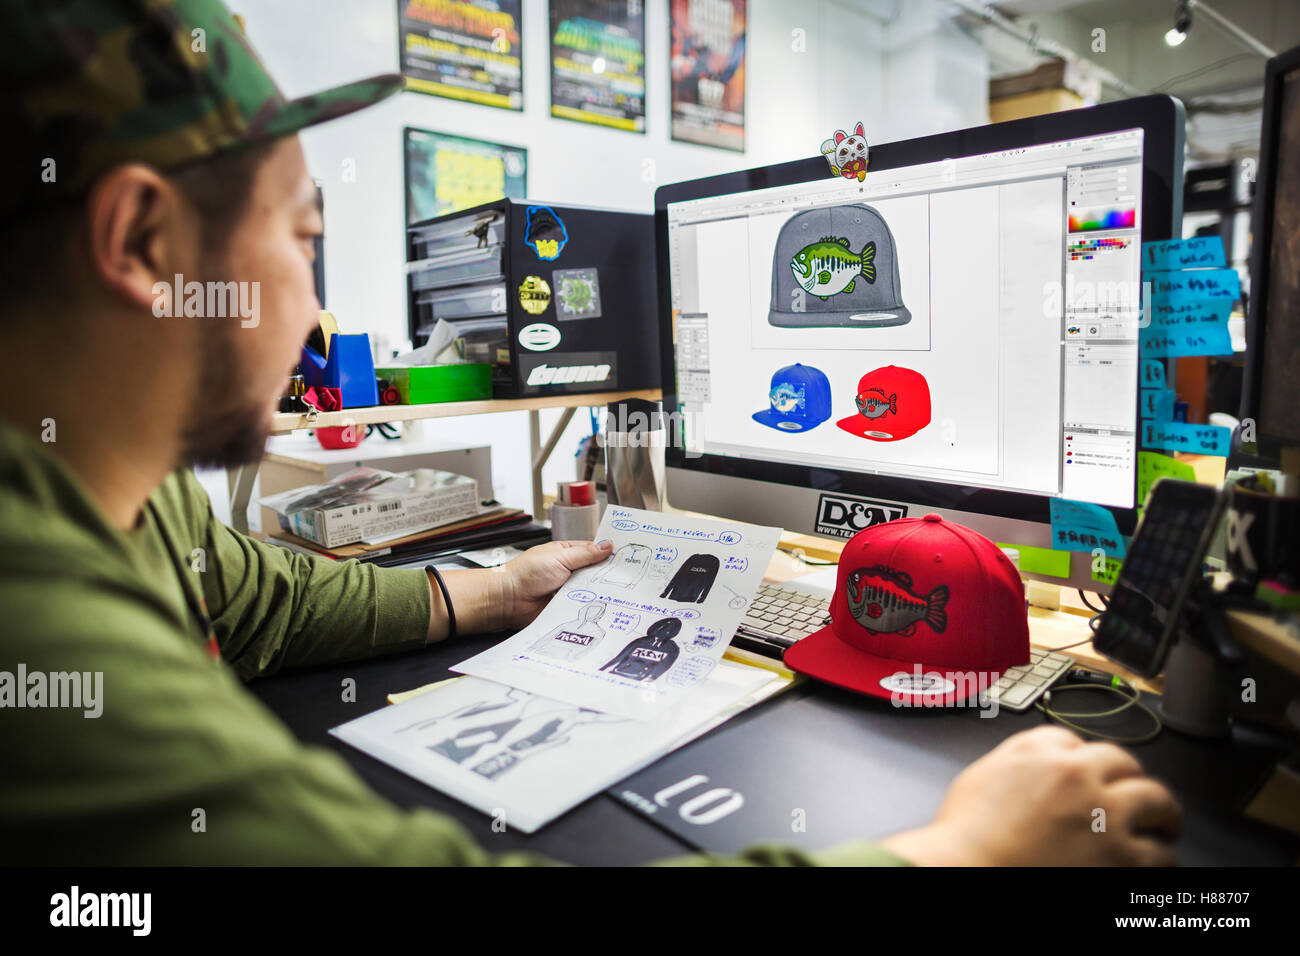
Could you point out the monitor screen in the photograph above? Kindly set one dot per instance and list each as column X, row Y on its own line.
column 971, row 321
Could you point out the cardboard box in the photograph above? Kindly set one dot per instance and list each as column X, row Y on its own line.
column 297, row 460
column 366, row 504
column 1033, row 104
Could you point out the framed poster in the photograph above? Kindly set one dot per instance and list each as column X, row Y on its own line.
column 598, row 62
column 467, row 50
column 449, row 173
column 708, row 70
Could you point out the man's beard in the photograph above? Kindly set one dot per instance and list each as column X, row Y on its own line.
column 222, row 433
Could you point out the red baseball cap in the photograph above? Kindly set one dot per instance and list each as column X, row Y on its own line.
column 893, row 402
column 924, row 611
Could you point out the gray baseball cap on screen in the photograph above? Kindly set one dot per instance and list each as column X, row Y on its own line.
column 875, row 299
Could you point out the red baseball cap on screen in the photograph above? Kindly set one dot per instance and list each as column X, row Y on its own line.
column 924, row 611
column 893, row 402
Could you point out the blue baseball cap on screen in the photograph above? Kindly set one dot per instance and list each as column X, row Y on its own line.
column 800, row 399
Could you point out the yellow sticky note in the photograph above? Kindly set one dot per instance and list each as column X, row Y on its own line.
column 1033, row 560
column 1152, row 465
column 1108, row 572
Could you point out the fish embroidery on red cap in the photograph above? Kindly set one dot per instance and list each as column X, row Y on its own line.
column 883, row 602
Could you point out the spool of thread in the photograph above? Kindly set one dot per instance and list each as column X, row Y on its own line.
column 575, row 516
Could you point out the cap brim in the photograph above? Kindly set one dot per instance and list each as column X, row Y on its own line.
column 825, row 657
column 331, row 104
column 882, row 318
column 857, row 425
column 771, row 419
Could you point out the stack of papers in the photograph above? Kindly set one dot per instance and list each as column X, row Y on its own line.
column 623, row 666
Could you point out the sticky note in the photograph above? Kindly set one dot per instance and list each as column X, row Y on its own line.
column 1153, row 373
column 1033, row 560
column 1080, row 526
column 1157, row 403
column 1212, row 340
column 1153, row 465
column 1185, row 326
column 1106, row 570
column 1169, row 255
column 1184, row 436
column 1196, row 284
column 1173, row 313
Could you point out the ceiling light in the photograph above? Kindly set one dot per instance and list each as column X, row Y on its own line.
column 1182, row 23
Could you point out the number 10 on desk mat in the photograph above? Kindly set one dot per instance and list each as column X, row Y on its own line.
column 631, row 635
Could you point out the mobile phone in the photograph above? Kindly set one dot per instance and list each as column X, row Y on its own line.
column 1159, row 573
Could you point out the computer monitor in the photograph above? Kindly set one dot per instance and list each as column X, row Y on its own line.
column 954, row 332
column 1271, row 387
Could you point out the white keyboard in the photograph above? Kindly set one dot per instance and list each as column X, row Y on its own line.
column 1020, row 686
column 782, row 615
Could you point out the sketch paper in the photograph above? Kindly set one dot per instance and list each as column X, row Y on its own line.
column 499, row 749
column 630, row 635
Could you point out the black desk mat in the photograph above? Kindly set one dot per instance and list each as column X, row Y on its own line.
column 819, row 766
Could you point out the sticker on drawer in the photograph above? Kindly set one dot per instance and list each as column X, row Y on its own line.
column 539, row 337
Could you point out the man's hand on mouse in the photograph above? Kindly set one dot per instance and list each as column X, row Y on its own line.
column 1045, row 797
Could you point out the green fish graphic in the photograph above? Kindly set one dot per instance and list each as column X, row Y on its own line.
column 827, row 267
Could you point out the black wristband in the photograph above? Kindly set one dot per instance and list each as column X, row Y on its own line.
column 451, row 612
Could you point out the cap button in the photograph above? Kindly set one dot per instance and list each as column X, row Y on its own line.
column 932, row 517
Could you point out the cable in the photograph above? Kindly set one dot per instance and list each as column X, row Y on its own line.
column 1130, row 701
column 1192, row 74
column 1105, row 603
column 1065, row 647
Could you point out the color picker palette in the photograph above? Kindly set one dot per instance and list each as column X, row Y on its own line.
column 1103, row 217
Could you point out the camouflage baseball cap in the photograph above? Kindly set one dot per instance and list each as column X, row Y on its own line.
column 92, row 84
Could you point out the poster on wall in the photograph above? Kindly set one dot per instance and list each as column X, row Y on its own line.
column 449, row 173
column 467, row 50
column 598, row 62
column 708, row 70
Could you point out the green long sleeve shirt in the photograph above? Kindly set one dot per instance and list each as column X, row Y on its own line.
column 176, row 731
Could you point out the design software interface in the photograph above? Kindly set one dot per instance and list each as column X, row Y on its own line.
column 972, row 321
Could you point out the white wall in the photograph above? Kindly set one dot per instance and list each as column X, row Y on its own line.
column 812, row 66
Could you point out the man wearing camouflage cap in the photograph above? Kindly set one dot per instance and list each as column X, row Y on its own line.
column 145, row 143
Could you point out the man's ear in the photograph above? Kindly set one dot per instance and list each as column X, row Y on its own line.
column 133, row 218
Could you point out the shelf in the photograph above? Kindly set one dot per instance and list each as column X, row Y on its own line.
column 284, row 423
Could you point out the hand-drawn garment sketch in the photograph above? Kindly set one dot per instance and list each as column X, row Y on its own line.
column 648, row 658
column 519, row 726
column 624, row 567
column 693, row 579
column 573, row 639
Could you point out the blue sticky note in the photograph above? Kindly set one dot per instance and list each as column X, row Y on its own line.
column 1153, row 373
column 1158, row 403
column 1196, row 284
column 1186, row 326
column 1214, row 340
column 1170, row 255
column 1080, row 526
column 1171, row 313
column 1184, row 436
